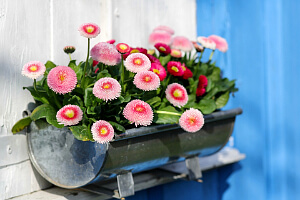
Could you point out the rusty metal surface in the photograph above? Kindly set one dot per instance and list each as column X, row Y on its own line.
column 69, row 163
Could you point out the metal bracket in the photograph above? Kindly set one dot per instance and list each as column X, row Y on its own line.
column 193, row 167
column 125, row 185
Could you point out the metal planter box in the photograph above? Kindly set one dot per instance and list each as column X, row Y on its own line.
column 70, row 163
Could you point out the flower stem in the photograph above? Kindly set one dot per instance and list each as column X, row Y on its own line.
column 201, row 55
column 165, row 86
column 211, row 55
column 34, row 85
column 86, row 62
column 122, row 76
column 57, row 102
column 70, row 56
column 167, row 112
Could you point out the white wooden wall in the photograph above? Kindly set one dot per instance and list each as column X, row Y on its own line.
column 38, row 30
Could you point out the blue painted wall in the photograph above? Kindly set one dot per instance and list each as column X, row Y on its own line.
column 263, row 55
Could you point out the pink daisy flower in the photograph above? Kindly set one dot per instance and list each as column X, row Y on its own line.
column 176, row 53
column 123, row 48
column 197, row 46
column 221, row 43
column 202, row 84
column 106, row 53
column 111, row 41
column 191, row 120
column 163, row 48
column 137, row 62
column 164, row 28
column 146, row 80
column 160, row 37
column 207, row 43
column 138, row 112
column 69, row 115
column 33, row 69
column 176, row 95
column 187, row 73
column 175, row 68
column 200, row 92
column 62, row 79
column 182, row 43
column 107, row 89
column 102, row 132
column 158, row 70
column 89, row 30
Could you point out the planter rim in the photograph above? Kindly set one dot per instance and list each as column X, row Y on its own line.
column 141, row 131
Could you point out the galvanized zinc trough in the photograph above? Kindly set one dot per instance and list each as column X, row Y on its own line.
column 70, row 163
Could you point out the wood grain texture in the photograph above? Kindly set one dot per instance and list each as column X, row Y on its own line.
column 134, row 20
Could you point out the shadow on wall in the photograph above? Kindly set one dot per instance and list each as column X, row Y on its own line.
column 215, row 184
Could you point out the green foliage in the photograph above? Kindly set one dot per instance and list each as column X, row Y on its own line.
column 164, row 118
column 21, row 124
column 45, row 111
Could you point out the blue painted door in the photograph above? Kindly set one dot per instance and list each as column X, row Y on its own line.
column 264, row 57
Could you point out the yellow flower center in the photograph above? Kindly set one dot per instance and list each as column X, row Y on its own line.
column 147, row 78
column 175, row 69
column 123, row 47
column 62, row 76
column 183, row 67
column 33, row 68
column 151, row 51
column 70, row 113
column 103, row 131
column 134, row 51
column 90, row 29
column 162, row 48
column 106, row 86
column 192, row 120
column 156, row 71
column 139, row 108
column 137, row 61
column 177, row 93
column 176, row 53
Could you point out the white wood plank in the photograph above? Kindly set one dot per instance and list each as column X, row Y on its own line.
column 24, row 37
column 20, row 179
column 13, row 149
column 68, row 15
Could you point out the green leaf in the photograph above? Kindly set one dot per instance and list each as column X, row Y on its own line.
column 127, row 98
column 73, row 65
column 48, row 112
column 154, row 102
column 82, row 133
column 210, row 85
column 206, row 106
column 74, row 100
column 167, row 118
column 203, row 69
column 216, row 74
column 119, row 127
column 103, row 74
column 212, row 93
column 89, row 97
column 21, row 124
column 222, row 100
column 41, row 95
column 164, row 59
column 50, row 64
